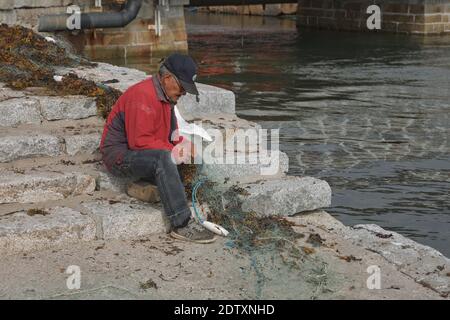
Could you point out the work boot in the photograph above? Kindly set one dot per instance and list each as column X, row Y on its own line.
column 193, row 232
column 144, row 191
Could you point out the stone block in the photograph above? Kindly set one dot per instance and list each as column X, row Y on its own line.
column 286, row 196
column 398, row 17
column 41, row 3
column 327, row 22
column 107, row 181
column 104, row 71
column 146, row 37
column 21, row 232
column 390, row 26
column 411, row 28
column 127, row 221
column 19, row 147
column 143, row 191
column 178, row 2
column 416, row 9
column 289, row 8
column 82, row 143
column 97, row 52
column 272, row 10
column 7, row 5
column 7, row 93
column 8, row 16
column 258, row 165
column 256, row 10
column 29, row 17
column 140, row 50
column 424, row 264
column 43, row 186
column 69, row 107
column 394, row 7
column 19, row 111
column 213, row 100
column 434, row 8
column 433, row 28
column 428, row 18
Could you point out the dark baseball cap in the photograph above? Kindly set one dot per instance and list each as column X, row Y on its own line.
column 185, row 69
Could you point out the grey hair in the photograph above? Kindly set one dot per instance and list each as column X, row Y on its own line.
column 163, row 70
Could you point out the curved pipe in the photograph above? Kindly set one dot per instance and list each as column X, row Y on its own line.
column 58, row 22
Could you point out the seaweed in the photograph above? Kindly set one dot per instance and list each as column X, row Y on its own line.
column 28, row 60
column 32, row 212
column 148, row 284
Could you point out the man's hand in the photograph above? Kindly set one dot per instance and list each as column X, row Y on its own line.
column 184, row 152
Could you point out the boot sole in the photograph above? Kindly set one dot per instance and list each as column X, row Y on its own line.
column 180, row 237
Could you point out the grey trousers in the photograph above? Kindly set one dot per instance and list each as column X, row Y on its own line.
column 157, row 167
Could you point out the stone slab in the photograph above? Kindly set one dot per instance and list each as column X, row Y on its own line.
column 127, row 221
column 19, row 111
column 43, row 186
column 143, row 191
column 213, row 100
column 21, row 232
column 82, row 143
column 218, row 169
column 424, row 264
column 8, row 16
column 8, row 93
column 69, row 107
column 107, row 181
column 41, row 3
column 123, row 77
column 19, row 147
column 286, row 196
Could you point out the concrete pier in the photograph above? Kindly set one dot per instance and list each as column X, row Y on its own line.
column 143, row 37
column 423, row 17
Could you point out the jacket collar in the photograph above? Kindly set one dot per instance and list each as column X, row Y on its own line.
column 159, row 90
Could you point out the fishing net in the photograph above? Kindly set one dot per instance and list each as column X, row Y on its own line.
column 278, row 261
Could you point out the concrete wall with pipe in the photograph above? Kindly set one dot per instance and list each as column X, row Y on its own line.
column 159, row 26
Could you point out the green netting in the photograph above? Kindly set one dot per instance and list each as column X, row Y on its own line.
column 277, row 260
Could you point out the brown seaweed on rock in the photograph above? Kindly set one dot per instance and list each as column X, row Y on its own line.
column 28, row 60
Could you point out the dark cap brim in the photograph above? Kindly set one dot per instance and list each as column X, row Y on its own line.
column 189, row 87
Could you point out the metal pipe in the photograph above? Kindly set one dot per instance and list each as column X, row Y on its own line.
column 58, row 22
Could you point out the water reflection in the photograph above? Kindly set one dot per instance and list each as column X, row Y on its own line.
column 370, row 113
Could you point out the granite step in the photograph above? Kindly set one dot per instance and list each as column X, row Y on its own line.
column 33, row 142
column 39, row 186
column 37, row 109
column 239, row 166
column 32, row 230
column 27, row 231
column 281, row 197
column 213, row 100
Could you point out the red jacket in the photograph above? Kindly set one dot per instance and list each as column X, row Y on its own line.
column 140, row 119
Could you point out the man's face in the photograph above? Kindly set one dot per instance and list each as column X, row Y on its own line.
column 172, row 87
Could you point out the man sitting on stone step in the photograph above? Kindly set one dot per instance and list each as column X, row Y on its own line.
column 139, row 140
